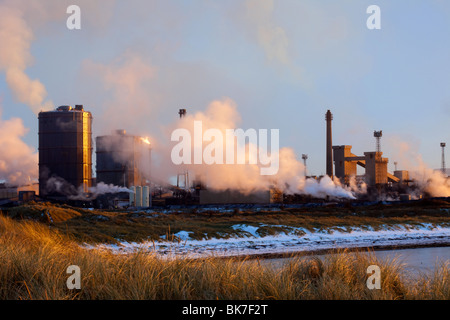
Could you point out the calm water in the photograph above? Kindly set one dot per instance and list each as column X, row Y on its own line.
column 420, row 260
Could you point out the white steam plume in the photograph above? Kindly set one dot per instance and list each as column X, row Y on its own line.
column 15, row 38
column 270, row 36
column 100, row 189
column 430, row 181
column 18, row 161
column 222, row 115
column 126, row 80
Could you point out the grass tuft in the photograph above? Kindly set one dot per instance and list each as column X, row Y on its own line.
column 34, row 258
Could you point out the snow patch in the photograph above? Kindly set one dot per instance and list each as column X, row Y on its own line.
column 246, row 228
column 291, row 241
column 183, row 235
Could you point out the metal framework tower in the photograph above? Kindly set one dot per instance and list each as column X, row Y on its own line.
column 378, row 135
column 444, row 171
column 304, row 157
column 329, row 118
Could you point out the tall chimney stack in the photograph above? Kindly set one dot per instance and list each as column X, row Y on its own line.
column 329, row 118
column 444, row 170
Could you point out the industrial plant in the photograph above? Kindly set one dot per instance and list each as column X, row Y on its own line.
column 123, row 170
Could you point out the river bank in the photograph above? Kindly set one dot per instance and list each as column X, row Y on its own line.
column 35, row 260
column 255, row 245
column 241, row 231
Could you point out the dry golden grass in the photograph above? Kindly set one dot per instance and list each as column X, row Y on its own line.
column 45, row 212
column 100, row 226
column 34, row 259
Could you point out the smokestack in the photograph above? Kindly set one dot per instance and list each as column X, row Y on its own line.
column 329, row 118
column 444, row 170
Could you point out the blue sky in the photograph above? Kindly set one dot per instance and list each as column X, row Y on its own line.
column 283, row 62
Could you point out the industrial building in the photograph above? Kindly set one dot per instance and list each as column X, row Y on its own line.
column 65, row 167
column 10, row 194
column 65, row 150
column 345, row 162
column 376, row 169
column 234, row 196
column 123, row 159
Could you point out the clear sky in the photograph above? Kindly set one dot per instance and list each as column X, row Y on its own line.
column 134, row 63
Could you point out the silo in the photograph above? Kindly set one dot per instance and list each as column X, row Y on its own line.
column 145, row 196
column 121, row 158
column 65, row 150
column 132, row 196
column 138, row 197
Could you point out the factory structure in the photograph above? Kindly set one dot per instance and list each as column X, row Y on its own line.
column 65, row 159
column 120, row 159
column 124, row 160
column 65, row 151
column 376, row 176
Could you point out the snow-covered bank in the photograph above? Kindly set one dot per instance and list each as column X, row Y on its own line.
column 294, row 240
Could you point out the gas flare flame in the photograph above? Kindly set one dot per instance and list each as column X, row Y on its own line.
column 145, row 140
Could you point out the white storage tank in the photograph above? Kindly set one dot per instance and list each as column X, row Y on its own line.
column 132, row 196
column 145, row 196
column 138, row 201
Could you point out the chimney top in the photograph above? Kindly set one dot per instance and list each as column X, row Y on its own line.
column 121, row 132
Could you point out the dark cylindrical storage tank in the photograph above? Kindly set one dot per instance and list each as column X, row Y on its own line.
column 65, row 151
column 119, row 159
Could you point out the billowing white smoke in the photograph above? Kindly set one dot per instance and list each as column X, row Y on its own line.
column 357, row 188
column 126, row 81
column 430, row 181
column 103, row 188
column 20, row 22
column 18, row 161
column 327, row 187
column 100, row 189
column 61, row 186
column 15, row 38
column 222, row 115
